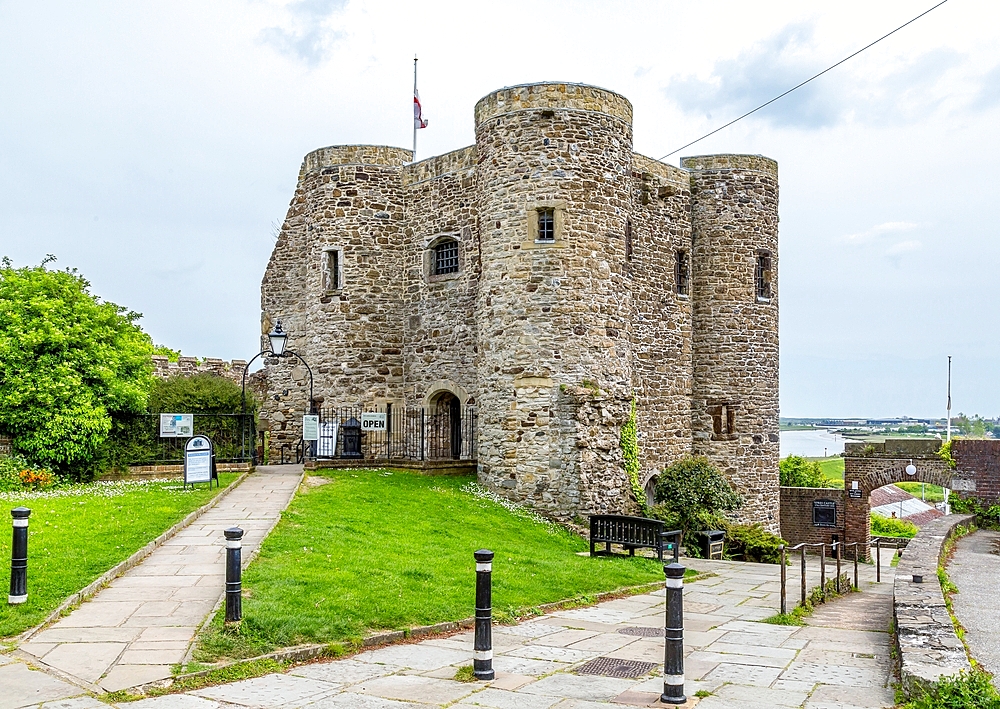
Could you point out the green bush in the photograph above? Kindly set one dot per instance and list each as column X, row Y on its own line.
column 751, row 542
column 890, row 527
column 796, row 471
column 203, row 393
column 696, row 493
column 988, row 517
column 966, row 690
column 69, row 362
column 17, row 474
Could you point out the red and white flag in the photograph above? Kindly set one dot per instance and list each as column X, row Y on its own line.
column 418, row 117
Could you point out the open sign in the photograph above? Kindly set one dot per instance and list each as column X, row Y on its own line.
column 373, row 422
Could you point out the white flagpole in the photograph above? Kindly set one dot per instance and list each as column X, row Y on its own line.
column 949, row 397
column 414, row 158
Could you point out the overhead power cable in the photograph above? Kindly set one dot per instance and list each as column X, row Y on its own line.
column 799, row 86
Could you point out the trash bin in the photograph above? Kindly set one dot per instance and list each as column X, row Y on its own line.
column 352, row 439
column 712, row 542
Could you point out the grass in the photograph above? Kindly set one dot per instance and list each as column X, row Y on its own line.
column 932, row 493
column 389, row 550
column 75, row 534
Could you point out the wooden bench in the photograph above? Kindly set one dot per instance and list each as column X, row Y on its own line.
column 632, row 533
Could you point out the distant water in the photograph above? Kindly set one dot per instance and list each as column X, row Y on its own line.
column 811, row 444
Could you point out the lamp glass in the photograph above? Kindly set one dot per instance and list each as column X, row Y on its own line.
column 278, row 338
column 911, row 469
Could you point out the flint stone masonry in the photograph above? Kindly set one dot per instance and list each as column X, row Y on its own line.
column 163, row 368
column 928, row 646
column 550, row 340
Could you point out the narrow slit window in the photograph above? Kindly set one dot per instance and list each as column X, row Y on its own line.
column 446, row 257
column 546, row 225
column 763, row 275
column 628, row 239
column 331, row 271
column 682, row 273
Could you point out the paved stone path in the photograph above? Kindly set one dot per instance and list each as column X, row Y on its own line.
column 841, row 659
column 975, row 569
column 137, row 628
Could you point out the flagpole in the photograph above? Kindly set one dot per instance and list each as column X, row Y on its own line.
column 414, row 157
column 949, row 397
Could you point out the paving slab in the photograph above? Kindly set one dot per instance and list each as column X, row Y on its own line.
column 23, row 687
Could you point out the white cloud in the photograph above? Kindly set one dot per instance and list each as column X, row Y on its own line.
column 878, row 230
column 904, row 247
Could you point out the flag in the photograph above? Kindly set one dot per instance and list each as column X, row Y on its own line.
column 418, row 117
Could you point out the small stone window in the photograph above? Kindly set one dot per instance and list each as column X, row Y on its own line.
column 763, row 276
column 723, row 421
column 333, row 274
column 628, row 239
column 546, row 224
column 445, row 258
column 682, row 273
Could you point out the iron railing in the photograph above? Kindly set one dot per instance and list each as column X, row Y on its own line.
column 409, row 434
column 137, row 441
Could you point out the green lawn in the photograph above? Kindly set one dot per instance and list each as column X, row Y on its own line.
column 378, row 550
column 932, row 493
column 76, row 534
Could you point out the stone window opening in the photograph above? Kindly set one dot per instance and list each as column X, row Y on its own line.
column 333, row 270
column 723, row 421
column 763, row 276
column 445, row 258
column 628, row 239
column 546, row 224
column 682, row 273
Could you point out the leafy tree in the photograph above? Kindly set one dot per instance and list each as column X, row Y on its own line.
column 170, row 354
column 796, row 471
column 68, row 362
column 693, row 494
column 203, row 393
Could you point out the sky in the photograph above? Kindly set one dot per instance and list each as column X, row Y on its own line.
column 155, row 146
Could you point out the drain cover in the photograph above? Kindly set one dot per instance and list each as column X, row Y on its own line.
column 614, row 667
column 641, row 631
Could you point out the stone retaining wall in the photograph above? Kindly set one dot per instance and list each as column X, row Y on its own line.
column 929, row 649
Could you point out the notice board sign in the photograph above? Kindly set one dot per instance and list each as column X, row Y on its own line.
column 373, row 422
column 824, row 513
column 310, row 427
column 176, row 425
column 199, row 461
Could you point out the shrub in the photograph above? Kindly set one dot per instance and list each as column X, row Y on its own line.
column 751, row 542
column 17, row 474
column 889, row 527
column 796, row 471
column 696, row 492
column 988, row 517
column 203, row 393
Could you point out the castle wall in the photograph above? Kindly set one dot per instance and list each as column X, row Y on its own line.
column 440, row 332
column 735, row 334
column 554, row 315
column 662, row 322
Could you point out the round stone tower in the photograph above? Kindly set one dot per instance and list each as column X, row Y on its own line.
column 735, row 324
column 333, row 280
column 553, row 307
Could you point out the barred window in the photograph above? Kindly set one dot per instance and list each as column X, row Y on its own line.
column 763, row 275
column 682, row 273
column 546, row 225
column 446, row 257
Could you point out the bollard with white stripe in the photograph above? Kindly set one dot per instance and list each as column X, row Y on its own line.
column 234, row 574
column 673, row 645
column 19, row 557
column 482, row 649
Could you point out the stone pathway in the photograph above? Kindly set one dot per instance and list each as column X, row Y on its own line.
column 841, row 659
column 137, row 628
column 975, row 569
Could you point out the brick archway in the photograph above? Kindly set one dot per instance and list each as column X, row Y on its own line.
column 863, row 474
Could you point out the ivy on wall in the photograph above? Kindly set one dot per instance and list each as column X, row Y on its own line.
column 630, row 453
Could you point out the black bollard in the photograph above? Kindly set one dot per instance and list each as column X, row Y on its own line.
column 482, row 649
column 19, row 557
column 234, row 574
column 673, row 644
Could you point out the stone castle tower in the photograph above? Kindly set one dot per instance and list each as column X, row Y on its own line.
column 547, row 276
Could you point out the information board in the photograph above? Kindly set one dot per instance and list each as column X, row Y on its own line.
column 198, row 460
column 176, row 425
column 310, row 427
column 373, row 422
column 824, row 513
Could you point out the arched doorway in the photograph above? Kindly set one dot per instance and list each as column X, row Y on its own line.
column 445, row 430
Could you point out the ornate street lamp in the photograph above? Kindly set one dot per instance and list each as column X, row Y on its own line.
column 277, row 339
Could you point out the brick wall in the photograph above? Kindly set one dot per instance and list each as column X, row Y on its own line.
column 6, row 444
column 979, row 460
column 797, row 515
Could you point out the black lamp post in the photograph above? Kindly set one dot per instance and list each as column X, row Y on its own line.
column 277, row 339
